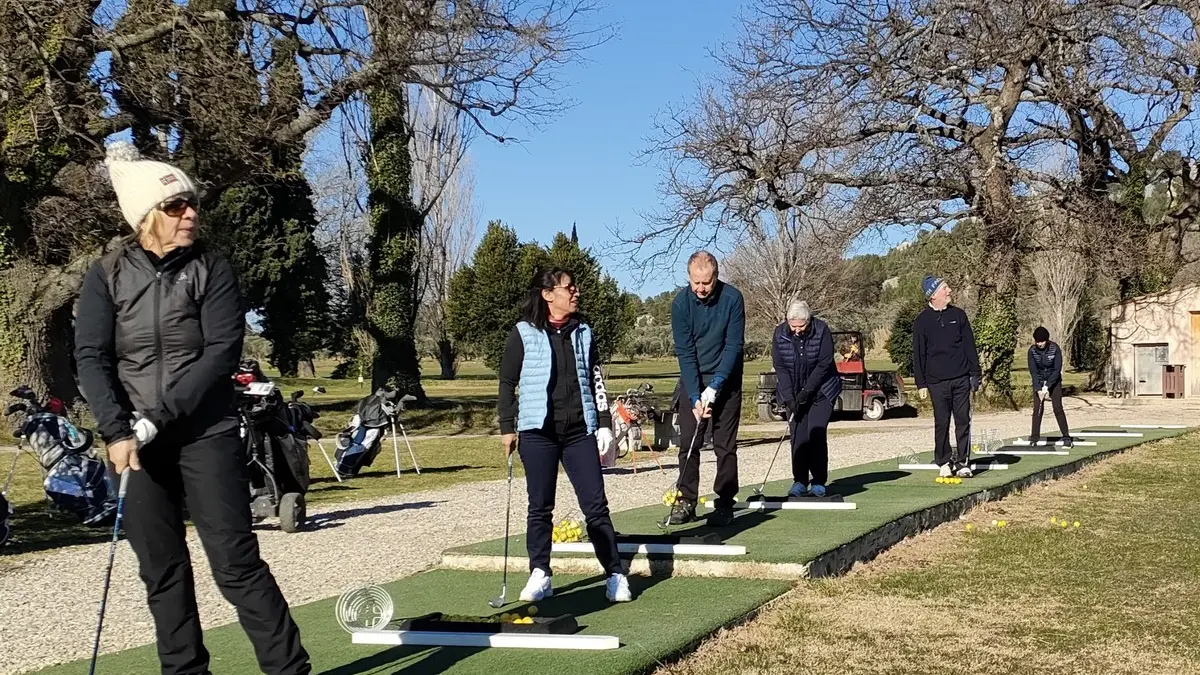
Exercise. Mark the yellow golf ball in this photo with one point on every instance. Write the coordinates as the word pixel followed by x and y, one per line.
pixel 1053 520
pixel 970 527
pixel 1064 523
pixel 532 611
pixel 1002 523
pixel 703 500
pixel 1076 523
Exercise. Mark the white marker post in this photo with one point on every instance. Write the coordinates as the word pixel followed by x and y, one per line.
pixel 935 467
pixel 495 640
pixel 758 505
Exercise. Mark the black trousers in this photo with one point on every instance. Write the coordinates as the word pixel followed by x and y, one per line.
pixel 1060 415
pixel 208 475
pixel 810 443
pixel 541 454
pixel 951 397
pixel 726 415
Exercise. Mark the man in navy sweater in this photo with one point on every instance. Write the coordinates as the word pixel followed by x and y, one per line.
pixel 708 320
pixel 946 367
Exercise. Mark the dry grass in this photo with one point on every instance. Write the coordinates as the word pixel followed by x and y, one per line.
pixel 1117 595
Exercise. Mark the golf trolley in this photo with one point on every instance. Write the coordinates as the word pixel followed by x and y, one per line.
pixel 630 410
pixel 360 442
pixel 276 458
pixel 74 477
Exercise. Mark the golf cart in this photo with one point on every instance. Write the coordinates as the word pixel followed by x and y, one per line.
pixel 871 392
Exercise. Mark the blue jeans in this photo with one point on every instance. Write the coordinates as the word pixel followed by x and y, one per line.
pixel 541 454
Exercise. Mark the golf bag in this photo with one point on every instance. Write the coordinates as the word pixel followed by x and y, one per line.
pixel 76 479
pixel 276 457
pixel 359 443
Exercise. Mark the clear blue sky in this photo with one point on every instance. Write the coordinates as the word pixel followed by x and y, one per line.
pixel 583 166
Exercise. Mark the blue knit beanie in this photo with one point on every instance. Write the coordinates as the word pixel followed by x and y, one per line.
pixel 930 285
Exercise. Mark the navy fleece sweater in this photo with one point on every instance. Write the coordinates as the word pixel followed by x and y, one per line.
pixel 709 336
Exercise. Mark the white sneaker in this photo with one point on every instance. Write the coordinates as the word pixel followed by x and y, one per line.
pixel 798 490
pixel 946 471
pixel 617 589
pixel 817 490
pixel 537 588
pixel 964 471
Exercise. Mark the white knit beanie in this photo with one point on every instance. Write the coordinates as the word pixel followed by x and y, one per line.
pixel 142 184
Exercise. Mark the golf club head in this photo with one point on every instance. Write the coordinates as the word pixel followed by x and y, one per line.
pixel 497 603
pixel 319 390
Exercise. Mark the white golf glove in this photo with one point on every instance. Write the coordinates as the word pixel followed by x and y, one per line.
pixel 1045 393
pixel 604 439
pixel 144 430
pixel 708 397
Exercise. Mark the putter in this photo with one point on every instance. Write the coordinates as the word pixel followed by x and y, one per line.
pixel 664 525
pixel 112 553
pixel 497 603
pixel 759 490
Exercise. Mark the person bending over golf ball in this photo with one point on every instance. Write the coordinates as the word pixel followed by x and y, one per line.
pixel 946 367
pixel 1045 367
pixel 552 398
pixel 708 322
pixel 157 339
pixel 808 384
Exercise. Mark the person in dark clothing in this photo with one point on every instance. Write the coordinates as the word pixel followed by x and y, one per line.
pixel 808 383
pixel 158 336
pixel 552 399
pixel 946 368
pixel 708 321
pixel 1045 368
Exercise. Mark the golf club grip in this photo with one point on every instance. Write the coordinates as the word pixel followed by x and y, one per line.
pixel 124 487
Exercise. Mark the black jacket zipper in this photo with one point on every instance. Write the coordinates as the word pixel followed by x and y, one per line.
pixel 158 333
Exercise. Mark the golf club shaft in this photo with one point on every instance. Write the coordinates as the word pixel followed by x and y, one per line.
pixel 778 447
pixel 396 448
pixel 329 462
pixel 507 519
pixel 112 554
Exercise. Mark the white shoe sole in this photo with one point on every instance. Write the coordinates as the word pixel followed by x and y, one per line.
pixel 621 598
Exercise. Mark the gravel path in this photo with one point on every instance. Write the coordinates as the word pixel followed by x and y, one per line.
pixel 49 601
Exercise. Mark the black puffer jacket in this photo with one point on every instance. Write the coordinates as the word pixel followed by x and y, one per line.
pixel 162 338
pixel 1045 365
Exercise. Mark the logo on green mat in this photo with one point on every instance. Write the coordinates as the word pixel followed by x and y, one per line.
pixel 364 609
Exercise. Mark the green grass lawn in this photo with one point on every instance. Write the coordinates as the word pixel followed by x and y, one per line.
pixel 668 616
pixel 1115 595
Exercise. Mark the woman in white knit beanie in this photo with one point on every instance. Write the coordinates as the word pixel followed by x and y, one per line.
pixel 158 336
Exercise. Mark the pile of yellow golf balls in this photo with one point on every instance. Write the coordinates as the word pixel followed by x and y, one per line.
pixel 567 531
pixel 948 480
pixel 1000 523
pixel 1063 522
pixel 671 496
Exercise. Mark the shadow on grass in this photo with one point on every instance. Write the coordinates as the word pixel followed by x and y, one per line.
pixel 328 483
pixel 34 529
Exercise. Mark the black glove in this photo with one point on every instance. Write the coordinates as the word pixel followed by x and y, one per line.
pixel 802 398
pixel 974 384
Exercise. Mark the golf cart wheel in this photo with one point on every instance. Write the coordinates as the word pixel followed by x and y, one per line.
pixel 874 410
pixel 291 512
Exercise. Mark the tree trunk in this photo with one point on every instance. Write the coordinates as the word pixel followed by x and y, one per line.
pixel 995 324
pixel 447 358
pixel 308 369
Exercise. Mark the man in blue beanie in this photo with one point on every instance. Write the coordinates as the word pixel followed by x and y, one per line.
pixel 946 368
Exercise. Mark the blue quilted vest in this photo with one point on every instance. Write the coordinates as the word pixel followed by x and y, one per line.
pixel 533 389
pixel 800 362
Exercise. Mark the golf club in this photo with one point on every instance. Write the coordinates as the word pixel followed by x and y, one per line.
pixel 664 524
pixel 787 432
pixel 112 553
pixel 497 603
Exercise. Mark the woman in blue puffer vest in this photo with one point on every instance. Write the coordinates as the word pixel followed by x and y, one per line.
pixel 552 398
pixel 808 384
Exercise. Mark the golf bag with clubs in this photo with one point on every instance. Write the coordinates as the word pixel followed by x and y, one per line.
pixel 276 458
pixel 301 417
pixel 76 480
pixel 359 443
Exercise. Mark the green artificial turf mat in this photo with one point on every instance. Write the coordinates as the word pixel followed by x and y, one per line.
pixel 882 492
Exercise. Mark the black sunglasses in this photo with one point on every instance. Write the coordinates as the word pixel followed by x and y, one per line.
pixel 177 206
